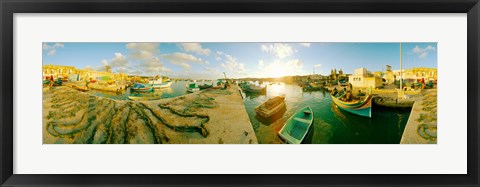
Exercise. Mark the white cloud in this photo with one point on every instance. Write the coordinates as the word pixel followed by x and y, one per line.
pixel 52 52
pixel 305 44
pixel 295 63
pixel 423 52
pixel 105 62
pixel 154 66
pixel 182 59
pixel 52 49
pixel 143 51
pixel 261 63
pixel 118 61
pixel 317 65
pixel 194 47
pixel 278 49
pixel 231 63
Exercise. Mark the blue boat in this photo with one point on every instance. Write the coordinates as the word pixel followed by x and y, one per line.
pixel 361 107
pixel 296 128
pixel 141 88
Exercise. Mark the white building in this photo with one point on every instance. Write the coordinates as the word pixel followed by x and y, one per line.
pixel 361 79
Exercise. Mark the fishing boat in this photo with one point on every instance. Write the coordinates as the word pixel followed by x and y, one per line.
pixel 393 103
pixel 270 107
pixel 192 87
pixel 144 97
pixel 162 85
pixel 360 107
pixel 205 86
pixel 141 88
pixel 159 83
pixel 296 128
pixel 255 89
pixel 312 87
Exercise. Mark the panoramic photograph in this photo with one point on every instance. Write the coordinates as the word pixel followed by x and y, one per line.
pixel 239 93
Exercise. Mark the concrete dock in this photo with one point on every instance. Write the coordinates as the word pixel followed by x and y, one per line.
pixel 421 127
pixel 207 117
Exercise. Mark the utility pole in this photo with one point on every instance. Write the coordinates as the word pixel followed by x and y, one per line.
pixel 401 70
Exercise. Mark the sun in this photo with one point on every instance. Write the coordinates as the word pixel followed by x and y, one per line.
pixel 277 70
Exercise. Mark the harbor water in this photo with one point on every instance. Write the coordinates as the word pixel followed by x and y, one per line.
pixel 331 124
pixel 177 88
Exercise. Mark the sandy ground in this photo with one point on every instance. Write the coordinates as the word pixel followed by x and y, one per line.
pixel 421 127
pixel 206 117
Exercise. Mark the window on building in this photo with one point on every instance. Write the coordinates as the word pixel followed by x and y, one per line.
pixel 52 71
pixel 59 71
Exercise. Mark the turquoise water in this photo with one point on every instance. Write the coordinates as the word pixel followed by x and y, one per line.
pixel 331 125
pixel 176 89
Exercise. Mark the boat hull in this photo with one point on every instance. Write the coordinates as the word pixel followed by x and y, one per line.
pixel 265 112
pixel 140 98
pixel 163 85
pixel 361 108
pixel 297 126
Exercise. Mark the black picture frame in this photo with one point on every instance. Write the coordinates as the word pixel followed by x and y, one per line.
pixel 9 7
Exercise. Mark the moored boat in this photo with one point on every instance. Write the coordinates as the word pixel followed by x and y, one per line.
pixel 270 107
pixel 141 88
pixel 146 97
pixel 205 86
pixel 162 85
pixel 192 87
pixel 361 107
pixel 393 103
pixel 296 128
pixel 255 89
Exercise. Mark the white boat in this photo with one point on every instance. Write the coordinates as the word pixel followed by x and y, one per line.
pixel 159 83
pixel 192 87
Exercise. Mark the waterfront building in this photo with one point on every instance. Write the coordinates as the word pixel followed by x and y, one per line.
pixel 73 74
pixel 428 74
pixel 362 79
pixel 58 71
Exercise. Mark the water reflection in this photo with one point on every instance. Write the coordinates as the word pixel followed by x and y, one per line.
pixel 331 124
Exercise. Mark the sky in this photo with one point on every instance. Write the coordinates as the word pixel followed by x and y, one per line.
pixel 238 60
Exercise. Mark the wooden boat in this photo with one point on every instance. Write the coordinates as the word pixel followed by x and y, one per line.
pixel 205 86
pixel 393 103
pixel 361 107
pixel 162 85
pixel 270 107
pixel 192 87
pixel 296 128
pixel 255 89
pixel 144 97
pixel 141 88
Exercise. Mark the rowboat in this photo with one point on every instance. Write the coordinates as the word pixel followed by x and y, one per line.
pixel 393 103
pixel 362 107
pixel 141 88
pixel 297 126
pixel 204 86
pixel 192 87
pixel 255 89
pixel 144 97
pixel 270 107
